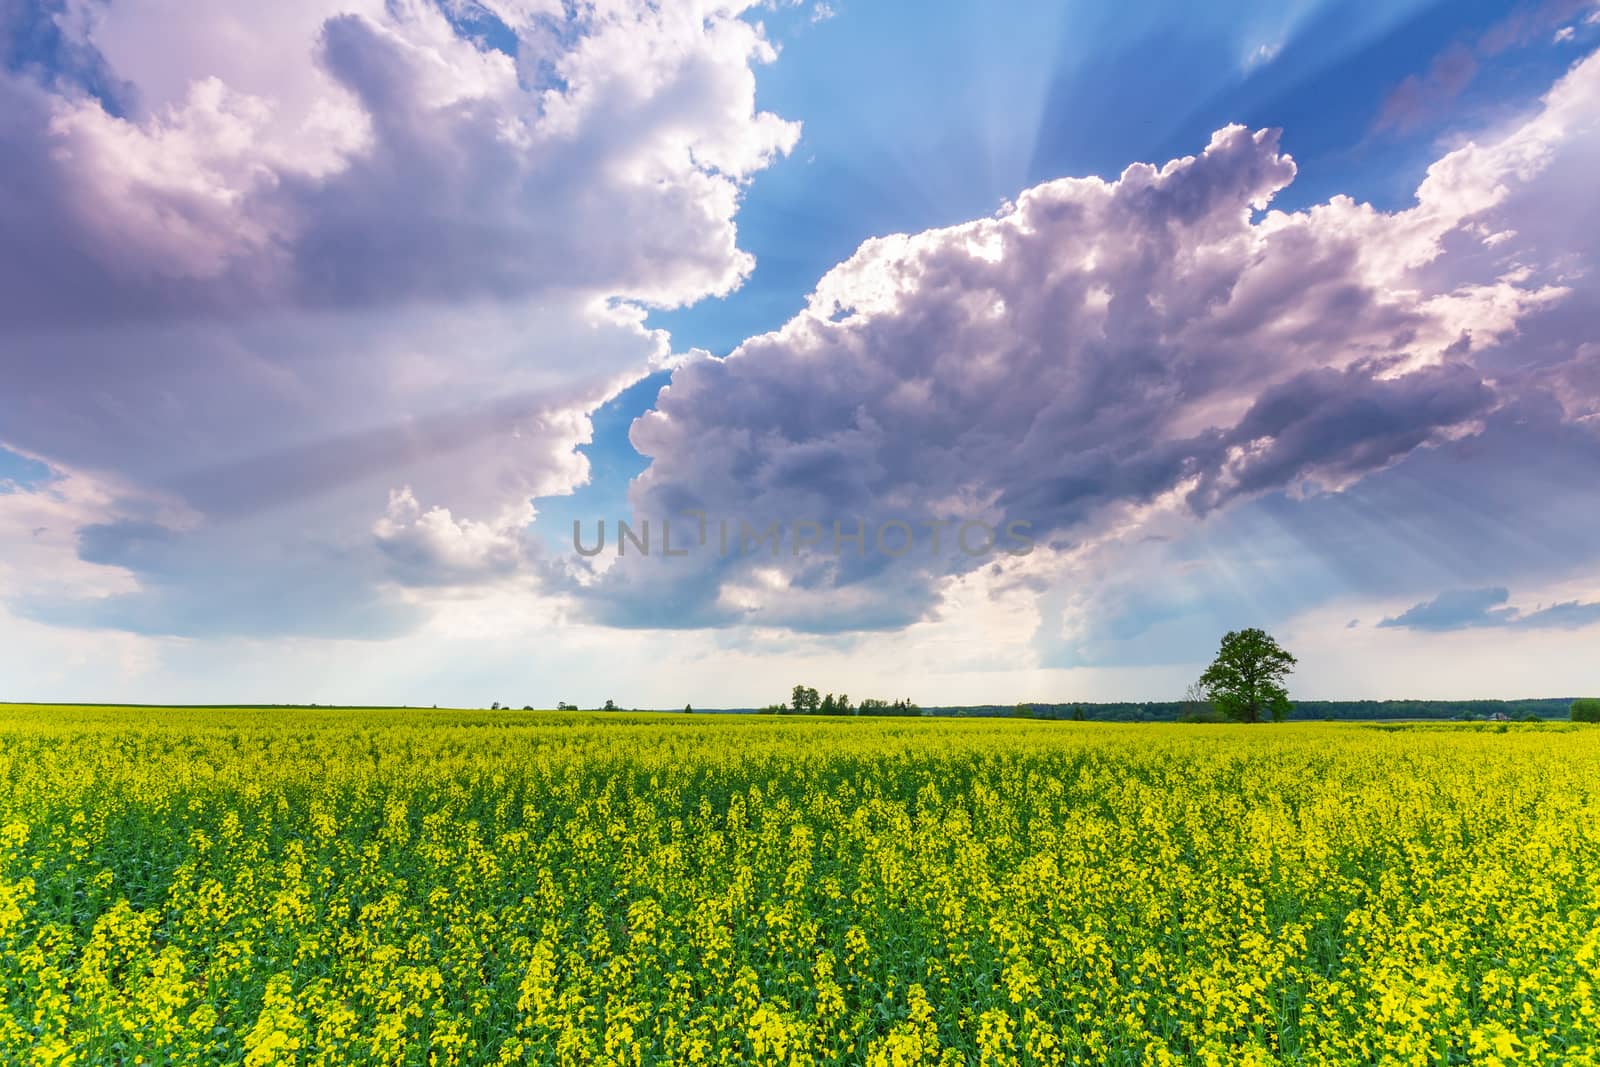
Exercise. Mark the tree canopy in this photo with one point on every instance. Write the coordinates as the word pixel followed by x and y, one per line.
pixel 1245 682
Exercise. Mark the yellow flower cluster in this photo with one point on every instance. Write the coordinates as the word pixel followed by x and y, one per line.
pixel 440 888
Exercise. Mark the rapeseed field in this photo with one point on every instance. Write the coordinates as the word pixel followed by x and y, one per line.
pixel 421 887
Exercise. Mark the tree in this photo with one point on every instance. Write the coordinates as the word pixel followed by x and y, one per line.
pixel 1197 707
pixel 688 709
pixel 1246 680
pixel 805 701
pixel 611 705
pixel 1586 709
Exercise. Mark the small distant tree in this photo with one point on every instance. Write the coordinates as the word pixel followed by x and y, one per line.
pixel 804 700
pixel 1077 713
pixel 828 707
pixel 495 706
pixel 1246 680
pixel 688 709
pixel 1197 707
pixel 1022 711
pixel 611 705
pixel 1586 709
pixel 527 707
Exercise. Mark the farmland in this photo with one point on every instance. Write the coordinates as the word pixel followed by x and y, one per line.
pixel 440 887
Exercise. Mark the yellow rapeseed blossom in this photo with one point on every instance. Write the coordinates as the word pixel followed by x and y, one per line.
pixel 444 889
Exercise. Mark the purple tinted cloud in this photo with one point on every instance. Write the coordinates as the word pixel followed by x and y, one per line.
pixel 372 256
pixel 1102 348
pixel 306 339
pixel 1464 609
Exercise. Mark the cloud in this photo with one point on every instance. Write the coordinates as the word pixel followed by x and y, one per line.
pixel 20 472
pixel 1105 353
pixel 1456 610
pixel 39 529
pixel 433 547
pixel 1469 512
pixel 347 297
pixel 1336 426
pixel 379 246
pixel 1421 98
pixel 1464 609
pixel 1529 21
pixel 1264 53
pixel 368 153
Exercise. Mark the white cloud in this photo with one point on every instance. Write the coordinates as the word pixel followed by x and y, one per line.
pixel 310 256
pixel 39 529
pixel 1263 54
pixel 433 547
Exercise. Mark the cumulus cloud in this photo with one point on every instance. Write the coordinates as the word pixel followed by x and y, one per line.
pixel 262 271
pixel 433 547
pixel 363 152
pixel 1104 350
pixel 306 324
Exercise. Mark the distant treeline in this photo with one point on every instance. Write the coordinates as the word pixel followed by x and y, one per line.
pixel 1148 711
pixel 1171 710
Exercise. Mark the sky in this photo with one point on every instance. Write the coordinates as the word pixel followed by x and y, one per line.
pixel 961 352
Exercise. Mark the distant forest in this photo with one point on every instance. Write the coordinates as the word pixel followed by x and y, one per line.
pixel 1170 710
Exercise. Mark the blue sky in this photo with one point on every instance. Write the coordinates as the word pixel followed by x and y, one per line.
pixel 322 345
pixel 20 472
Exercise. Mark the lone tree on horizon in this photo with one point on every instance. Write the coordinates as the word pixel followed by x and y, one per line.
pixel 1246 680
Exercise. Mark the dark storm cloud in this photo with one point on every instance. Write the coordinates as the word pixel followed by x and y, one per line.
pixel 1342 424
